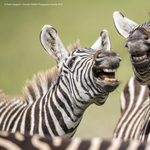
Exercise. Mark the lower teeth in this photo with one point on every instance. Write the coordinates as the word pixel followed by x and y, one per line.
pixel 110 80
pixel 140 58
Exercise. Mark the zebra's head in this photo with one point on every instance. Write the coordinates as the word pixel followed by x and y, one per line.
pixel 138 43
pixel 89 73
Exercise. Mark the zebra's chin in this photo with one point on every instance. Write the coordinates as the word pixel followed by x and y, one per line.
pixel 100 101
pixel 142 75
pixel 106 86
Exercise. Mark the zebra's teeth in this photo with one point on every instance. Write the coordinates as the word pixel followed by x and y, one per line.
pixel 109 70
pixel 140 58
pixel 111 80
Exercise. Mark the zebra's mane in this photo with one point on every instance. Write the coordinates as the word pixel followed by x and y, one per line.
pixel 36 88
pixel 40 84
pixel 3 96
pixel 75 46
pixel 145 25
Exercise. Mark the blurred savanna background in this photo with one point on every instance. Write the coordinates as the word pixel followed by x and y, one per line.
pixel 21 54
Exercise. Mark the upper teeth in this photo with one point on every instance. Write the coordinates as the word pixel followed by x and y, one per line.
pixel 140 58
pixel 109 70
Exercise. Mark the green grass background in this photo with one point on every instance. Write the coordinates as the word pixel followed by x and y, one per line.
pixel 21 54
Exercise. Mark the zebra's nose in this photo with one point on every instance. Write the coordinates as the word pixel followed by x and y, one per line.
pixel 134 47
pixel 114 62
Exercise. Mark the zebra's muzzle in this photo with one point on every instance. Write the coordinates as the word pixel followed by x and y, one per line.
pixel 104 69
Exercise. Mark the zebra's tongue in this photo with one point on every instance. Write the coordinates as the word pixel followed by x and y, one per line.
pixel 108 78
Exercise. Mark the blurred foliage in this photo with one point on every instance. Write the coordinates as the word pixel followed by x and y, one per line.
pixel 21 54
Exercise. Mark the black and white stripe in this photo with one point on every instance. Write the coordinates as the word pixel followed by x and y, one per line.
pixel 18 141
pixel 54 102
pixel 142 75
pixel 146 25
pixel 135 120
pixel 138 43
pixel 135 106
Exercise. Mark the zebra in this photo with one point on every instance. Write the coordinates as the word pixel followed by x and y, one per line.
pixel 54 102
pixel 135 111
pixel 138 43
pixel 18 141
pixel 135 105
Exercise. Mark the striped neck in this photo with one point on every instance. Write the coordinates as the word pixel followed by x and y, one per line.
pixel 74 101
pixel 135 105
pixel 64 112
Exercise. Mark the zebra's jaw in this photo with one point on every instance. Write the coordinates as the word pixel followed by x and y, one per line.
pixel 142 75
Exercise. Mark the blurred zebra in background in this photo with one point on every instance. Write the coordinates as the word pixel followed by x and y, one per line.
pixel 134 122
pixel 138 43
pixel 54 102
pixel 18 141
pixel 135 112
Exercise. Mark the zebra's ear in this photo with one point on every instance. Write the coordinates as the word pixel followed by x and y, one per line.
pixel 52 43
pixel 123 25
pixel 103 41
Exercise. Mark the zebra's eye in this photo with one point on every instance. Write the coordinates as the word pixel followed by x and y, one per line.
pixel 70 63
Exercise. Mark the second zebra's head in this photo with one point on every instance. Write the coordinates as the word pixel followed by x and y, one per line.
pixel 89 73
pixel 138 43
